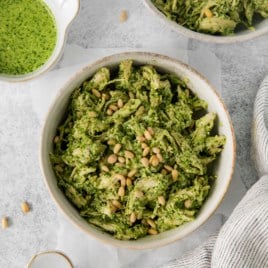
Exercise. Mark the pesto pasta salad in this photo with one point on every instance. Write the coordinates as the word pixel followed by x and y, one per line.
pixel 134 151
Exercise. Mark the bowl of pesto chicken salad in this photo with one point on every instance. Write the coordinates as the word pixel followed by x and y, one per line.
pixel 216 21
pixel 137 150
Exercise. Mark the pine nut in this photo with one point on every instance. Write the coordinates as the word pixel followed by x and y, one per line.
pixel 168 168
pixel 147 135
pixel 144 145
pixel 188 203
pixel 112 159
pixel 132 217
pixel 120 103
pixel 161 200
pixel 121 191
pixel 152 232
pixel 156 150
pixel 5 222
pixel 174 174
pixel 117 148
pixel 111 142
pixel 132 172
pixel 146 151
pixel 92 114
pixel 113 107
pixel 104 168
pixel 119 177
pixel 154 161
pixel 129 182
pixel 25 207
pixel 140 138
pixel 123 182
pixel 145 161
pixel 150 130
pixel 123 16
pixel 138 194
pixel 151 223
pixel 96 93
pixel 116 203
pixel 56 139
pixel 119 164
pixel 208 13
pixel 109 112
pixel 121 159
pixel 160 157
pixel 129 154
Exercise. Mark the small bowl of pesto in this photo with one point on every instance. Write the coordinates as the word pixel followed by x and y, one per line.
pixel 32 36
pixel 137 150
pixel 214 21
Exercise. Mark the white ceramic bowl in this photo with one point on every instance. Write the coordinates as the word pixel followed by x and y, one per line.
pixel 199 85
pixel 261 28
pixel 64 12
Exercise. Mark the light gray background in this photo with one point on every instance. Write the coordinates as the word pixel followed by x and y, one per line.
pixel 243 66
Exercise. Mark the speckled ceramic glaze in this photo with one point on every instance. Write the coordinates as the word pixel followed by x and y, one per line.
pixel 223 168
pixel 260 29
pixel 64 12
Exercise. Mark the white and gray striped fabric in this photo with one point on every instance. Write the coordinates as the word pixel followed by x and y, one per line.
pixel 260 129
pixel 243 240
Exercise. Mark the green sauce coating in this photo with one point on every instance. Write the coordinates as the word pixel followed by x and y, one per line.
pixel 134 149
pixel 219 17
pixel 27 35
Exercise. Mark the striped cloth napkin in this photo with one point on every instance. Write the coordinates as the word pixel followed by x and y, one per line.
pixel 243 240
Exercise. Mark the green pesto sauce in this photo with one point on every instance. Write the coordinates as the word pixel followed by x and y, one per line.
pixel 27 35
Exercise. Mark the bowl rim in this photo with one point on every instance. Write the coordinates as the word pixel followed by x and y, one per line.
pixel 47 252
pixel 106 60
pixel 39 71
pixel 203 36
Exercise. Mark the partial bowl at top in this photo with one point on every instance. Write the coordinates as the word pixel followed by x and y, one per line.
pixel 260 28
pixel 63 12
pixel 200 86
